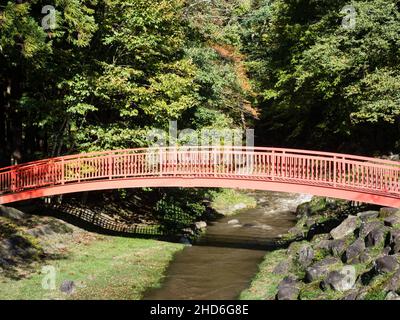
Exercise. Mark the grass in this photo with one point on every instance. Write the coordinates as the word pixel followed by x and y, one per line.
pixel 265 284
pixel 107 268
pixel 225 200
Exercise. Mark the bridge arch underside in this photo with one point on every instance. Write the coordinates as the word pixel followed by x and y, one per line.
pixel 209 182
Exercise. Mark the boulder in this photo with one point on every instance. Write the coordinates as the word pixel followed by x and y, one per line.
pixel 321 268
pixel 394 238
pixel 394 235
pixel 296 231
pixel 292 249
pixel 386 251
pixel 354 251
pixel 311 221
pixel 288 289
pixel 303 209
pixel 324 244
pixel 392 221
pixel 367 227
pixel 338 247
pixel 351 296
pixel 386 264
pixel 283 267
pixel 365 215
pixel 392 296
pixel 233 221
pixel 67 286
pixel 375 237
pixel 335 247
pixel 394 283
pixel 12 213
pixel 200 225
pixel 364 257
pixel 305 256
pixel 387 212
pixel 346 228
pixel 341 280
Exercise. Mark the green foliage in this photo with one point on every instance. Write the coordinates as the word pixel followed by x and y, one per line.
pixel 179 209
pixel 319 83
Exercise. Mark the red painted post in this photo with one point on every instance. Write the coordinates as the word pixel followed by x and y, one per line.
pixel 273 164
pixel 110 169
pixel 334 171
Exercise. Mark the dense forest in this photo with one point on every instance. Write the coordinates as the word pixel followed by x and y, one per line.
pixel 83 75
pixel 98 74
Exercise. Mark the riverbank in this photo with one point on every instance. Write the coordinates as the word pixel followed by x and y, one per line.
pixel 336 251
pixel 86 265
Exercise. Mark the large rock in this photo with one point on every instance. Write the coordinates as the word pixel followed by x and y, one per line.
pixel 283 267
pixel 394 283
pixel 367 227
pixel 200 225
pixel 387 212
pixel 341 280
pixel 305 256
pixel 386 264
pixel 321 268
pixel 394 238
pixel 392 296
pixel 67 286
pixel 303 210
pixel 335 247
pixel 316 205
pixel 392 220
pixel 351 295
pixel 296 231
pixel 288 289
pixel 292 249
pixel 12 213
pixel 338 247
pixel 375 237
pixel 365 215
pixel 233 221
pixel 354 251
pixel 311 221
pixel 346 228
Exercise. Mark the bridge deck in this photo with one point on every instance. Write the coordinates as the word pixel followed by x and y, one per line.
pixel 342 176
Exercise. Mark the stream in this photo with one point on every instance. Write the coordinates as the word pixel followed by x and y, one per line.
pixel 225 259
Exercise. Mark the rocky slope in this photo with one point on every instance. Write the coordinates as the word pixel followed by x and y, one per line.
pixel 336 251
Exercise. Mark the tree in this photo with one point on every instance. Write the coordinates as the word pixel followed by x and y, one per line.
pixel 321 84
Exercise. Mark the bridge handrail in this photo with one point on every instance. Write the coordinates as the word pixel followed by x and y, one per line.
pixel 331 155
pixel 326 169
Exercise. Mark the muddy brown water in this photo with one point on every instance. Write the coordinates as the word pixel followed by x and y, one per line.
pixel 226 257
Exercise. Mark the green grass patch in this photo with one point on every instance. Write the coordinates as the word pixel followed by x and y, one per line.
pixel 108 268
pixel 230 201
pixel 376 287
pixel 310 291
pixel 265 284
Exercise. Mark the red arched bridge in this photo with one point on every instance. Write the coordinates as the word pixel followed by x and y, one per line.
pixel 333 175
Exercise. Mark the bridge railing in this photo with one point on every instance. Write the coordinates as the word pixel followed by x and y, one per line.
pixel 272 164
